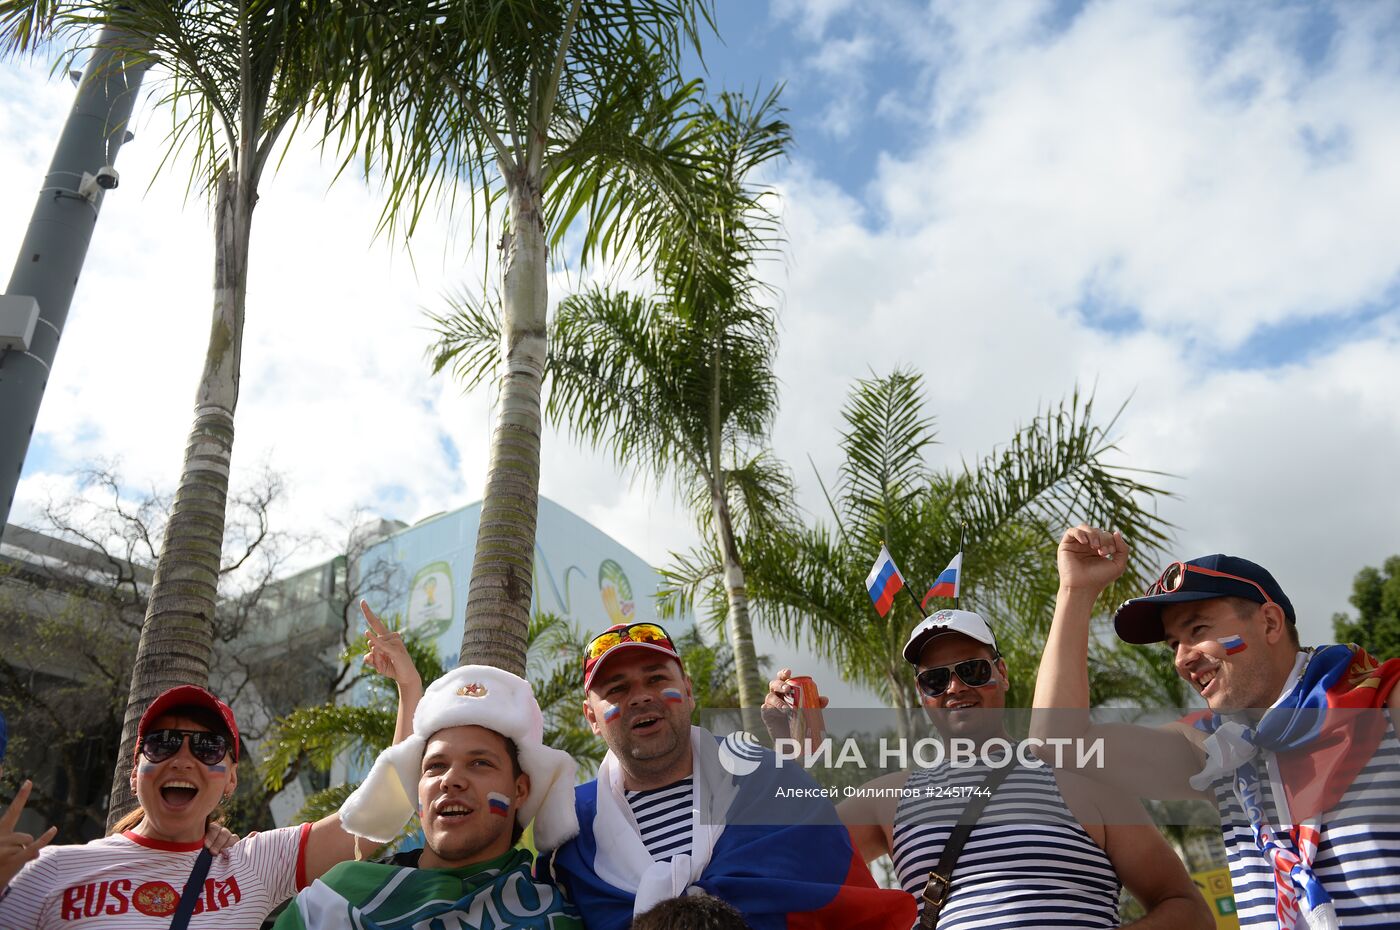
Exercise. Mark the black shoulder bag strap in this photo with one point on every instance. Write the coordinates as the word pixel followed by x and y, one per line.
pixel 940 880
pixel 194 887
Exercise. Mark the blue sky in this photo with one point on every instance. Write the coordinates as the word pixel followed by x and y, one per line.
pixel 1189 206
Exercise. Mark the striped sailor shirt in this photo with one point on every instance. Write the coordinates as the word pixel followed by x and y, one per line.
pixel 1028 862
pixel 1358 860
pixel 665 817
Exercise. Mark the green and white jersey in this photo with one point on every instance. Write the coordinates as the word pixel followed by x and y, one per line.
pixel 500 894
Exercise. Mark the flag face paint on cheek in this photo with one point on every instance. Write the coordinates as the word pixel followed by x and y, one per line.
pixel 1232 644
pixel 499 803
pixel 673 695
pixel 611 712
pixel 218 769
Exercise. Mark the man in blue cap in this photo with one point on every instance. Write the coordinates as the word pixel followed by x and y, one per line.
pixel 1297 749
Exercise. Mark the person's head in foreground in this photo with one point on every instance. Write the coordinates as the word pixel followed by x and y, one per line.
pixel 475 769
pixel 186 765
pixel 1231 629
pixel 691 912
pixel 960 675
pixel 638 698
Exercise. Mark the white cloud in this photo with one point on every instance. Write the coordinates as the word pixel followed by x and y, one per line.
pixel 1117 156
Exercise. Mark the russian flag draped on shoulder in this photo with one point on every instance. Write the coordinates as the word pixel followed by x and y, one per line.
pixel 946 584
pixel 1325 730
pixel 777 851
pixel 884 582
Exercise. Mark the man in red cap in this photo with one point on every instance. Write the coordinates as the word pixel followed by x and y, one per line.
pixel 673 812
pixel 1297 749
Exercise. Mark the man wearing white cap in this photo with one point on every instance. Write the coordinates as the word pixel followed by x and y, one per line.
pixel 477 773
pixel 1048 849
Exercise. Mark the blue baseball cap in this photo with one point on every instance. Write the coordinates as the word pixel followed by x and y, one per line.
pixel 1139 620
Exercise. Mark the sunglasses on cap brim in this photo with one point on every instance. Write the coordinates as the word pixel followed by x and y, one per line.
pixel 648 633
pixel 1173 579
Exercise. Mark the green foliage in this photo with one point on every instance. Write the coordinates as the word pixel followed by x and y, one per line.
pixel 575 103
pixel 315 736
pixel 1013 503
pixel 1375 593
pixel 711 671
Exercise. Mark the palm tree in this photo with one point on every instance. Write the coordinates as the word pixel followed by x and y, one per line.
pixel 680 384
pixel 1013 505
pixel 564 110
pixel 314 737
pixel 237 77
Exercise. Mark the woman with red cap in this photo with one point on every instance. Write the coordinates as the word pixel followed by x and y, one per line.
pixel 186 765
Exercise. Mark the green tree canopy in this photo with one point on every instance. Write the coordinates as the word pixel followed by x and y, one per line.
pixel 1375 593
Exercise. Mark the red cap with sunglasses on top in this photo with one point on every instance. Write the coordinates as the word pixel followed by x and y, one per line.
pixel 623 636
pixel 187 696
pixel 1140 620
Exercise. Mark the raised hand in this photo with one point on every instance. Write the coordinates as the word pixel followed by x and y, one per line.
pixel 1091 559
pixel 776 709
pixel 387 654
pixel 18 848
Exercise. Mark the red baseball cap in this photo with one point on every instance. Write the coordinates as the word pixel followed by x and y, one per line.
pixel 624 636
pixel 188 696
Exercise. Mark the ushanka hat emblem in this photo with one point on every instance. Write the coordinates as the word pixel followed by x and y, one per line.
pixel 473 695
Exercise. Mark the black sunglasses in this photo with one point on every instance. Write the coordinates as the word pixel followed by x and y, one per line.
pixel 975 673
pixel 209 748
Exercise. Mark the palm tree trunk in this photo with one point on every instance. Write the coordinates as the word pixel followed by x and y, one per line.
pixel 176 636
pixel 498 598
pixel 738 626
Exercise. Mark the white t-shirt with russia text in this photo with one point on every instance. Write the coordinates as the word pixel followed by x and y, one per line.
pixel 134 881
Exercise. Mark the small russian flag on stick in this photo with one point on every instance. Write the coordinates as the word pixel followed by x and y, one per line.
pixel 884 582
pixel 946 584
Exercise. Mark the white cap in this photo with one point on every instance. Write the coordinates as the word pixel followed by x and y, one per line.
pixel 947 621
pixel 469 695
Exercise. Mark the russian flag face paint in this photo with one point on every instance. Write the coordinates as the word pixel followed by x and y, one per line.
pixel 673 695
pixel 611 712
pixel 1232 644
pixel 499 803
pixel 217 769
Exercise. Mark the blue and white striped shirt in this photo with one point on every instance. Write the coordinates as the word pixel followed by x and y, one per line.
pixel 664 816
pixel 1028 862
pixel 1358 860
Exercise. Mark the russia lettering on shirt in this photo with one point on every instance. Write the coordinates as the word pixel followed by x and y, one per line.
pixel 134 881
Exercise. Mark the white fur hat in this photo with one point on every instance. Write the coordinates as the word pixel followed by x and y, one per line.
pixel 483 696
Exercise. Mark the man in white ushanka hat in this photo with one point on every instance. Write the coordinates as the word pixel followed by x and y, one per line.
pixel 477 773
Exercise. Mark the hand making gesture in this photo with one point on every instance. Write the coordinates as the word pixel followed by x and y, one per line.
pixel 1091 559
pixel 387 654
pixel 389 657
pixel 18 848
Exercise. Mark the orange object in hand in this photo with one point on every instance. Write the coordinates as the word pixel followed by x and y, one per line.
pixel 808 725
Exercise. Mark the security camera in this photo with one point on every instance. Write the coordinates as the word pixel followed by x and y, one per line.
pixel 107 177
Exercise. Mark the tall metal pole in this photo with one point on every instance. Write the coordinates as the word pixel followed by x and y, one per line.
pixel 56 242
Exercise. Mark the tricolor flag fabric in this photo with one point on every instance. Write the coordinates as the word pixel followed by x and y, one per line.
pixel 884 582
pixel 946 584
pixel 1324 732
pixel 780 855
